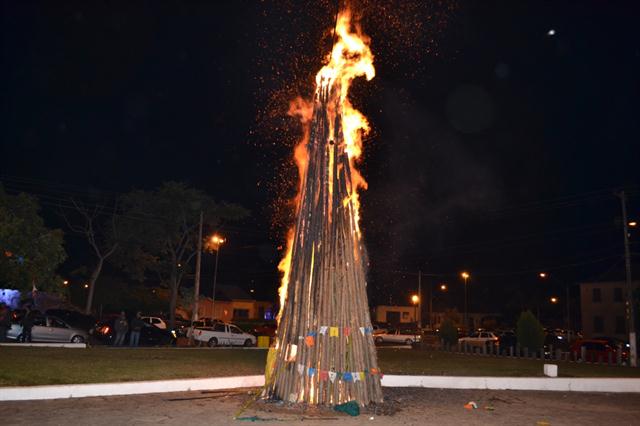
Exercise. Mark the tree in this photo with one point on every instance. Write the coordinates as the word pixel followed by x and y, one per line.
pixel 101 235
pixel 529 331
pixel 159 232
pixel 30 252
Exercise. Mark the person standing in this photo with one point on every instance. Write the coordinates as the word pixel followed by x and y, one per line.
pixel 27 325
pixel 136 327
pixel 5 321
pixel 121 326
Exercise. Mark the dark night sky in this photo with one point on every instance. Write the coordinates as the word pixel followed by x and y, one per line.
pixel 496 146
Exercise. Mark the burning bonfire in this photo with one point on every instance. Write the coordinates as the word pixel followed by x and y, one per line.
pixel 324 352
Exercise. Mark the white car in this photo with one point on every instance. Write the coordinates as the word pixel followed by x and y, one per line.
pixel 480 339
pixel 155 321
pixel 404 336
pixel 222 334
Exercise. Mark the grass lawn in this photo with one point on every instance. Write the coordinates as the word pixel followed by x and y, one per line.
pixel 45 366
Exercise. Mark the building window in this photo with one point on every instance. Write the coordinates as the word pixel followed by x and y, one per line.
pixel 598 324
pixel 241 313
pixel 596 295
pixel 621 325
pixel 617 294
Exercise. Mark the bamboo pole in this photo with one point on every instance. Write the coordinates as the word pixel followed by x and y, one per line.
pixel 327 282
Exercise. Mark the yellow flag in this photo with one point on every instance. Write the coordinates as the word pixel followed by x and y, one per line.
pixel 333 332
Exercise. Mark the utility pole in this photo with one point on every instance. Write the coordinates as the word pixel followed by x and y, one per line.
pixel 215 280
pixel 568 310
pixel 431 304
pixel 633 356
pixel 419 299
pixel 196 287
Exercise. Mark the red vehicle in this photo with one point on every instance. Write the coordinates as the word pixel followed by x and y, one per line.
pixel 597 350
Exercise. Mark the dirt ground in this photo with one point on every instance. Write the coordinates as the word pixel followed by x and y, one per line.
pixel 404 407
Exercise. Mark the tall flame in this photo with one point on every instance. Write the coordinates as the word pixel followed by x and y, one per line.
pixel 350 57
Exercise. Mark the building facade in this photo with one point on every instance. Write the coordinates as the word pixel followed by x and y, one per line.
pixel 603 309
pixel 231 304
pixel 395 314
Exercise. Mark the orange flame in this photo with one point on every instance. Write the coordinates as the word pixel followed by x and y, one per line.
pixel 350 57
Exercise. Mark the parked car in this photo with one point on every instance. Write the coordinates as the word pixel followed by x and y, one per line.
pixel 223 334
pixel 265 329
pixel 150 335
pixel 597 350
pixel 379 329
pixel 555 340
pixel 156 322
pixel 480 339
pixel 74 318
pixel 398 335
pixel 205 322
pixel 47 328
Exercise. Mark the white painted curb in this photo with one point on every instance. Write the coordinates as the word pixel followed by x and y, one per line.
pixel 46 345
pixel 614 385
pixel 24 393
pixel 622 385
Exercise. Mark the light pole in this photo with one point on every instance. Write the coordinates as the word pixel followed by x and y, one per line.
pixel 415 299
pixel 626 224
pixel 544 276
pixel 216 242
pixel 465 276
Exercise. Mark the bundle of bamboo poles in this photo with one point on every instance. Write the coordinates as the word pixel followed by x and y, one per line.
pixel 325 353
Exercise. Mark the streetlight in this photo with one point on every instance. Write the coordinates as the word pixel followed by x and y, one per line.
pixel 215 242
pixel 465 276
pixel 443 287
pixel 553 299
pixel 633 224
pixel 542 275
pixel 415 299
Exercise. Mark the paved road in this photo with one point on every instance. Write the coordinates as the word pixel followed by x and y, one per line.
pixel 411 406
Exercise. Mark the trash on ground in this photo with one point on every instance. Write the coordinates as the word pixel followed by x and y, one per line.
pixel 351 408
pixel 256 419
pixel 470 405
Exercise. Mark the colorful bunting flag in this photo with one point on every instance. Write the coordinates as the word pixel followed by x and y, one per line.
pixel 309 341
pixel 300 369
pixel 333 332
pixel 332 376
pixel 347 376
pixel 324 375
pixel 311 371
pixel 323 329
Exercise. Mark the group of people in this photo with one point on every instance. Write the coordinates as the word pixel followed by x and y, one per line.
pixel 5 323
pixel 122 326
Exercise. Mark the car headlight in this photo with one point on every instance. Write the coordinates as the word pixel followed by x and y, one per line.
pixel 173 333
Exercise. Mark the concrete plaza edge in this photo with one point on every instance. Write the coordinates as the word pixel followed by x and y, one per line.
pixel 614 385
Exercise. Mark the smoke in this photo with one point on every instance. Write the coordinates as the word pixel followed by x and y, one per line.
pixel 423 175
